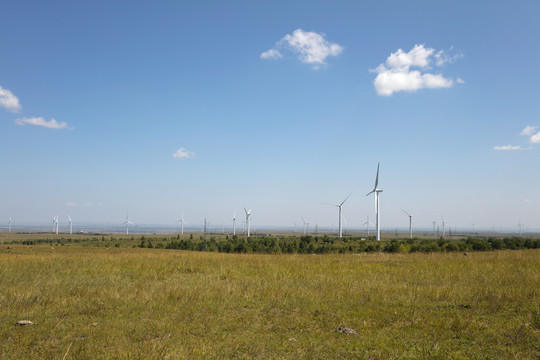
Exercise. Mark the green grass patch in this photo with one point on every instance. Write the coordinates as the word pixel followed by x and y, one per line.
pixel 130 303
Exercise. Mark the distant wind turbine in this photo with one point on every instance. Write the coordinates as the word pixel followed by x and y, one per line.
pixel 410 223
pixel 182 221
pixel 520 225
pixel 304 220
pixel 127 223
pixel 10 224
pixel 339 206
pixel 367 223
pixel 234 223
pixel 70 225
pixel 443 223
pixel 376 190
pixel 55 224
pixel 248 215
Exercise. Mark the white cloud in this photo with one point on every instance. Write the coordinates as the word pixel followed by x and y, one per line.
pixel 182 153
pixel 8 100
pixel 418 56
pixel 271 54
pixel 507 147
pixel 442 57
pixel 396 74
pixel 39 121
pixel 71 204
pixel 460 81
pixel 535 139
pixel 529 130
pixel 310 47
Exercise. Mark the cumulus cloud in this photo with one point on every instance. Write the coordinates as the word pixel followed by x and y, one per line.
pixel 507 147
pixel 271 54
pixel 182 153
pixel 530 132
pixel 535 139
pixel 8 100
pixel 39 121
pixel 396 73
pixel 310 47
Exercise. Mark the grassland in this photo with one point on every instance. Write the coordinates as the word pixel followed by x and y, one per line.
pixel 131 303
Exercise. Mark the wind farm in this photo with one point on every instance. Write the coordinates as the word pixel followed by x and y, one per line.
pixel 269 180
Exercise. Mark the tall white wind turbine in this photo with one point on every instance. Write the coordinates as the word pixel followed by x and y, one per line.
pixel 376 190
pixel 248 215
pixel 339 206
pixel 410 223
pixel 10 224
pixel 304 220
pixel 70 225
pixel 127 223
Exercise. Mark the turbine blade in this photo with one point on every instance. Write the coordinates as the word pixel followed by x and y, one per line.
pixel 343 202
pixel 377 178
pixel 330 204
pixel 371 192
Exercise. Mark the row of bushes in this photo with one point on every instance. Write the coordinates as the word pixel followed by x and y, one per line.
pixel 309 245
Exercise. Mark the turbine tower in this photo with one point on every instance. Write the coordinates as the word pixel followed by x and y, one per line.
pixel 234 223
pixel 182 221
pixel 520 225
pixel 70 225
pixel 127 223
pixel 410 223
pixel 376 190
pixel 443 223
pixel 367 223
pixel 55 224
pixel 10 224
pixel 339 206
pixel 304 220
pixel 248 215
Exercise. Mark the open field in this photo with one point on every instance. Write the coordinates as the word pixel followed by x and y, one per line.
pixel 91 303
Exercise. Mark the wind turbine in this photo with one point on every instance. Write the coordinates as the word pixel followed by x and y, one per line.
pixel 70 225
pixel 127 222
pixel 304 220
pixel 234 223
pixel 248 215
pixel 376 190
pixel 367 223
pixel 443 223
pixel 339 206
pixel 55 225
pixel 182 221
pixel 10 224
pixel 520 225
pixel 410 223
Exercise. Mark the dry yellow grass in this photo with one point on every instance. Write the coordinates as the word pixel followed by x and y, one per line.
pixel 98 303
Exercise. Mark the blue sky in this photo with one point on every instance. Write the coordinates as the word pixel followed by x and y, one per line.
pixel 276 106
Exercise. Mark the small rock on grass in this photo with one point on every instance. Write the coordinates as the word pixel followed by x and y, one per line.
pixel 25 322
pixel 347 331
